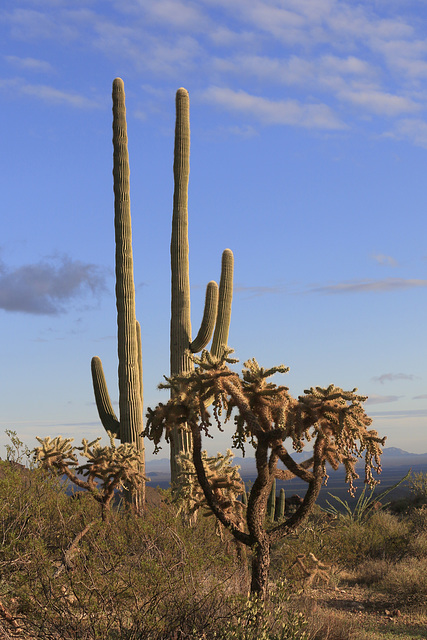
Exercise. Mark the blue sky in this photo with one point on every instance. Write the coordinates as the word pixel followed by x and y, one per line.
pixel 308 160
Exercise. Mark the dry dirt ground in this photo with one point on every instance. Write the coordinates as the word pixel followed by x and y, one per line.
pixel 366 611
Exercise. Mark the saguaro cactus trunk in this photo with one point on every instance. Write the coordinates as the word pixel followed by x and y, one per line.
pixel 217 311
pixel 130 425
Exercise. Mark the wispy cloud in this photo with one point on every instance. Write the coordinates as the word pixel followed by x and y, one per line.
pixel 375 399
pixel 423 396
pixel 399 415
pixel 256 292
pixel 390 377
pixel 384 260
pixel 363 60
pixel 45 288
pixel 30 24
pixel 271 112
pixel 30 64
pixel 48 94
pixel 380 102
pixel 412 129
pixel 364 286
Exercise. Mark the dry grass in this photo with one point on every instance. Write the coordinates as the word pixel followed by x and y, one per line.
pixel 155 579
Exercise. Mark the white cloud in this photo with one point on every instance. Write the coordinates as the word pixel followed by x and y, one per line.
pixel 388 284
pixel 285 112
pixel 30 64
pixel 382 259
pixel 48 94
pixel 181 15
pixel 379 102
pixel 412 129
pixel 29 24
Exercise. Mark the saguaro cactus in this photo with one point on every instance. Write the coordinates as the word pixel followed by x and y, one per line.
pixel 217 310
pixel 280 509
pixel 130 425
pixel 271 502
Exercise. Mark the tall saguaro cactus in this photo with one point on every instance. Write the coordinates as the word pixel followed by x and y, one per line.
pixel 217 310
pixel 130 425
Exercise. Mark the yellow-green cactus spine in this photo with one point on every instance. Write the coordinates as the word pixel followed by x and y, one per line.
pixel 217 305
pixel 130 425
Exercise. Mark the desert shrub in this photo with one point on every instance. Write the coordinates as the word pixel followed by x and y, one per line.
pixel 418 488
pixel 313 537
pixel 418 545
pixel 33 505
pixel 384 535
pixel 129 578
pixel 276 618
pixel 324 624
pixel 371 572
pixel 418 518
pixel 407 581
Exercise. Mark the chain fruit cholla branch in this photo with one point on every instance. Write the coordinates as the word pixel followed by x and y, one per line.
pixel 267 415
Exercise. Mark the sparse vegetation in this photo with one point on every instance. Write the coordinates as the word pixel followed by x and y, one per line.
pixel 155 578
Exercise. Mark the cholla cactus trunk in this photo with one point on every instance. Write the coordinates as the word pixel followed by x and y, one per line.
pixel 180 338
pixel 130 384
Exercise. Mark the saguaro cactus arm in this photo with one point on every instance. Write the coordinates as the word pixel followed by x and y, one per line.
pixel 106 412
pixel 102 398
pixel 222 327
pixel 209 318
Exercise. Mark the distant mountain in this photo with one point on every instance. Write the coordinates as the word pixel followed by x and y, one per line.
pixel 158 470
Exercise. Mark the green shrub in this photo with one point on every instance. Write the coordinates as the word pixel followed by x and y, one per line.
pixel 384 535
pixel 128 578
pixel 418 488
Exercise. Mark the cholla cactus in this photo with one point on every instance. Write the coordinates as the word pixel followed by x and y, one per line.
pixel 108 469
pixel 267 416
pixel 224 480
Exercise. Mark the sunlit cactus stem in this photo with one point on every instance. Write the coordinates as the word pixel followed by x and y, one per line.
pixel 130 425
pixel 271 503
pixel 222 327
pixel 217 310
pixel 280 509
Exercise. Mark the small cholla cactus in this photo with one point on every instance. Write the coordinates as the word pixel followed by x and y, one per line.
pixel 107 470
pixel 225 482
